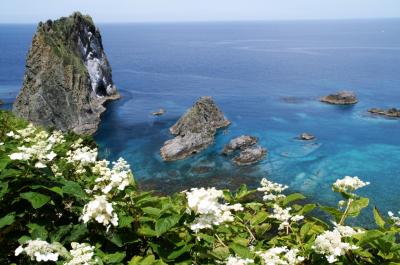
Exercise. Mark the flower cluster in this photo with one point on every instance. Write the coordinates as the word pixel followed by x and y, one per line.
pixel 284 216
pixel 235 260
pixel 101 210
pixel 119 177
pixel 331 244
pixel 205 203
pixel 81 254
pixel 281 256
pixel 37 145
pixel 272 191
pixel 395 219
pixel 348 184
pixel 40 250
pixel 81 156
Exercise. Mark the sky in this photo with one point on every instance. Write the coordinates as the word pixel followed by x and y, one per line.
pixel 32 11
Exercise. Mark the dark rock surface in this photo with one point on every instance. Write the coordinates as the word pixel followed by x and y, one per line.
pixel 306 137
pixel 392 112
pixel 194 131
pixel 240 142
pixel 250 155
pixel 341 98
pixel 67 77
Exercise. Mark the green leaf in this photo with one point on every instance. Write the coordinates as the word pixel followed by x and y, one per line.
pixel 3 189
pixel 177 253
pixel 7 220
pixel 125 221
pixel 357 205
pixel 293 197
pixel 147 231
pixel 78 232
pixel 61 231
pixel 74 189
pixel 166 223
pixel 113 258
pixel 241 251
pixel 333 211
pixel 259 218
pixel 37 231
pixel 152 211
pixel 220 253
pixel 378 218
pixel 36 199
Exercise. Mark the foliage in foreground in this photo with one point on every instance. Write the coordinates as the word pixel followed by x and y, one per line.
pixel 60 205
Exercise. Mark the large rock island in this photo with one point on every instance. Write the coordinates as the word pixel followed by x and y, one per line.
pixel 194 131
pixel 67 78
pixel 341 98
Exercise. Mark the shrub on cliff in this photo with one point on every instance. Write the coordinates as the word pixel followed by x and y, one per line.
pixel 60 204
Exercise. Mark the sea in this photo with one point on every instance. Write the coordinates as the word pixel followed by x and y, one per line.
pixel 267 78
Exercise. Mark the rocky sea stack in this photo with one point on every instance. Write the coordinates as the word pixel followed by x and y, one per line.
pixel 246 150
pixel 392 112
pixel 341 98
pixel 194 131
pixel 67 78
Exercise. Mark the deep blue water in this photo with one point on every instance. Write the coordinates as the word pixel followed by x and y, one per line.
pixel 248 68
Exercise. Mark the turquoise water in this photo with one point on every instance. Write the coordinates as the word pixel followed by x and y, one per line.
pixel 249 68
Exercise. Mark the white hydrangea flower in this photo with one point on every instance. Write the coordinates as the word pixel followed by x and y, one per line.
pixel 331 245
pixel 20 156
pixel 119 177
pixel 100 210
pixel 394 218
pixel 348 184
pixel 81 157
pixel 272 191
pixel 40 250
pixel 283 215
pixel 205 203
pixel 235 260
pixel 281 256
pixel 1 143
pixel 82 254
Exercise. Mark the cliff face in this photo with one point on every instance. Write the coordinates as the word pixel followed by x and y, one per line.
pixel 67 78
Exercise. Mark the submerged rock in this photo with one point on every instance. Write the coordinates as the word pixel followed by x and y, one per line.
pixel 306 137
pixel 240 142
pixel 341 98
pixel 67 78
pixel 159 112
pixel 392 112
pixel 1 102
pixel 194 131
pixel 250 155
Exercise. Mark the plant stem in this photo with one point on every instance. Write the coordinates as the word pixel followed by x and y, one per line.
pixel 220 241
pixel 344 216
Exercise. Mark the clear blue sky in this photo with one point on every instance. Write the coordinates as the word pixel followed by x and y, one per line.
pixel 32 11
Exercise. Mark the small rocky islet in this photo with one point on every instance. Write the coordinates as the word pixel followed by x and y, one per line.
pixel 340 98
pixel 392 112
pixel 194 131
pixel 249 152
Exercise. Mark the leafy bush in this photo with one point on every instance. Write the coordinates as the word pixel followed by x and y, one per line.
pixel 60 204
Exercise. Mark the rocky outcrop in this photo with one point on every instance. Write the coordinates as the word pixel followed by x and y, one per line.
pixel 341 98
pixel 194 131
pixel 250 156
pixel 159 112
pixel 306 137
pixel 248 152
pixel 239 143
pixel 67 78
pixel 392 112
